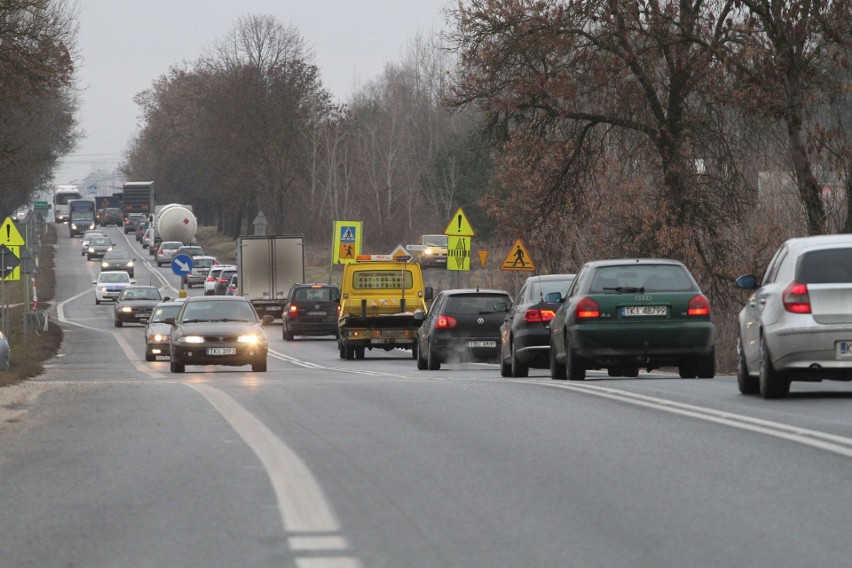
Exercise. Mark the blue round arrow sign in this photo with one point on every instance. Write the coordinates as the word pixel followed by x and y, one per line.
pixel 182 264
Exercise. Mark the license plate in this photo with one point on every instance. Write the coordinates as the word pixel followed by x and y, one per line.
pixel 316 313
pixel 221 350
pixel 393 333
pixel 644 311
pixel 271 309
pixel 843 349
pixel 482 344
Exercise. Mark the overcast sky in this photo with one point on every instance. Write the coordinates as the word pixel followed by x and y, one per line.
pixel 127 44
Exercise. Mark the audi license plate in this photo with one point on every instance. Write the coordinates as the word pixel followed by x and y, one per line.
pixel 644 311
pixel 843 349
pixel 221 350
pixel 473 344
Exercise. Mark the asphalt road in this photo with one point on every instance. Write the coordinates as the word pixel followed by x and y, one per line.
pixel 322 462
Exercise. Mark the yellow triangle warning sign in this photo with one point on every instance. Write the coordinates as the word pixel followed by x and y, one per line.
pixel 10 235
pixel 518 259
pixel 459 226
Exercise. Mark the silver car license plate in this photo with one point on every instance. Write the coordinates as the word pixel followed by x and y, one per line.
pixel 843 349
pixel 221 350
pixel 482 344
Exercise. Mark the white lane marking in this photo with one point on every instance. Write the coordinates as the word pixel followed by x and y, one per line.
pixel 829 442
pixel 302 503
pixel 122 342
pixel 839 445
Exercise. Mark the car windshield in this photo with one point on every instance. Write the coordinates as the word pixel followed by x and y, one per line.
pixel 476 304
pixel 435 240
pixel 163 312
pixel 101 241
pixel 117 255
pixel 114 277
pixel 211 311
pixel 641 278
pixel 141 294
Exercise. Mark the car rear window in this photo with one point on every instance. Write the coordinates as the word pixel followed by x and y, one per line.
pixel 202 262
pixel 541 288
pixel 324 294
pixel 827 266
pixel 461 304
pixel 644 277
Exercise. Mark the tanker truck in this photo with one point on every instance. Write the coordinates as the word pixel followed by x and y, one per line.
pixel 172 222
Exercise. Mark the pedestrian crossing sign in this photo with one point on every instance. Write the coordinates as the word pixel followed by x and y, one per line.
pixel 347 241
pixel 518 259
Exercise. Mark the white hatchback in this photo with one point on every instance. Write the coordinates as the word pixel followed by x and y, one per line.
pixel 213 276
pixel 109 285
pixel 797 325
pixel 166 252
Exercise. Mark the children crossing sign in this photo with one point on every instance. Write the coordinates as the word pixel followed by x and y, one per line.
pixel 347 241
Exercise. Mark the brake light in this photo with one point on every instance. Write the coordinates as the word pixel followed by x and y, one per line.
pixel 698 306
pixel 211 279
pixel 587 309
pixel 293 311
pixel 160 251
pixel 223 280
pixel 796 299
pixel 539 316
pixel 446 322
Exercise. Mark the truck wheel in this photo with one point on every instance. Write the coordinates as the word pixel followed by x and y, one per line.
pixel 341 349
pixel 360 352
pixel 349 353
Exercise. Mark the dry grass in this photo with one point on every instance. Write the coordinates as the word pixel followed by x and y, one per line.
pixel 30 350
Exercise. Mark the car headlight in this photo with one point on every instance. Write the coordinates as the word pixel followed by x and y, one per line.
pixel 428 251
pixel 91 249
pixel 127 309
pixel 104 264
pixel 110 248
pixel 102 288
pixel 157 338
pixel 129 264
pixel 248 339
pixel 191 339
pixel 74 227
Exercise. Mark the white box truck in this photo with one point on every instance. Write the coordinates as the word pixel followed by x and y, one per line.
pixel 267 266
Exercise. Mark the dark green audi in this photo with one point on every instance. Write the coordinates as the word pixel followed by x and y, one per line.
pixel 630 314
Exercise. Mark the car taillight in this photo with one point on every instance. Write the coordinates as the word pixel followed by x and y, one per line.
pixel 796 299
pixel 446 322
pixel 538 316
pixel 587 308
pixel 293 311
pixel 211 279
pixel 160 251
pixel 698 306
pixel 223 280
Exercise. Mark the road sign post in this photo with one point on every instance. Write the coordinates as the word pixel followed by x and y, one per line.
pixel 182 265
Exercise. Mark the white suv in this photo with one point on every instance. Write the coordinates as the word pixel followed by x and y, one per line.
pixel 213 276
pixel 797 325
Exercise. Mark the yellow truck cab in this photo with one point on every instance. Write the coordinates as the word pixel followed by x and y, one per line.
pixel 382 304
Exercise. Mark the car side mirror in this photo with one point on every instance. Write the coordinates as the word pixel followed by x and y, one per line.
pixel 132 281
pixel 419 315
pixel 747 282
pixel 167 298
pixel 94 281
pixel 553 298
pixel 266 320
pixel 170 321
pixel 429 294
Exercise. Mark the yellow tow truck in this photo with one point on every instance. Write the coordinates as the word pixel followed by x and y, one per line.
pixel 382 304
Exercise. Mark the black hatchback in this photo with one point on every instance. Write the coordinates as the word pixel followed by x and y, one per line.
pixel 462 325
pixel 311 310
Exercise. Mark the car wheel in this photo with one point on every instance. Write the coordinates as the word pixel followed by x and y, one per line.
pixel 422 364
pixel 150 356
pixel 433 363
pixel 88 257
pixel 519 369
pixel 705 367
pixel 686 370
pixel 505 367
pixel 118 323
pixel 557 369
pixel 773 384
pixel 286 333
pixel 746 383
pixel 97 302
pixel 176 367
pixel 259 367
pixel 574 369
